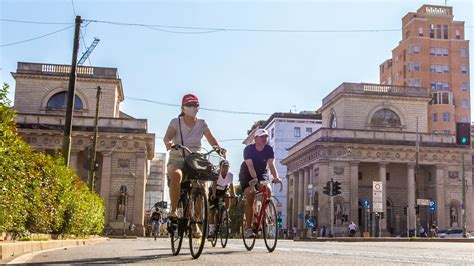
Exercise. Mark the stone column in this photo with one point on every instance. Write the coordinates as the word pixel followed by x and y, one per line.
pixel 296 182
pixel 411 187
pixel 354 192
pixel 139 195
pixel 301 198
pixel 305 189
pixel 324 211
pixel 73 160
pixel 105 183
pixel 440 197
pixel 383 179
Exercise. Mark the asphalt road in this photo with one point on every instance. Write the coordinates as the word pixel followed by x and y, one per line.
pixel 146 250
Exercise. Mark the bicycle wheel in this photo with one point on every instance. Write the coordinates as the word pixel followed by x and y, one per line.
pixel 198 222
pixel 154 229
pixel 224 227
pixel 216 231
pixel 270 226
pixel 249 242
pixel 177 230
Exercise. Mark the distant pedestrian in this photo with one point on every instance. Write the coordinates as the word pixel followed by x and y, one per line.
pixel 422 231
pixel 323 231
pixel 352 229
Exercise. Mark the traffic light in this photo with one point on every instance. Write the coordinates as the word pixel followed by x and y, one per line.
pixel 336 188
pixel 463 134
pixel 327 189
pixel 279 221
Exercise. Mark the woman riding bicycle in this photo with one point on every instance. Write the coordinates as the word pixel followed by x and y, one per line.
pixel 192 129
pixel 258 157
pixel 218 189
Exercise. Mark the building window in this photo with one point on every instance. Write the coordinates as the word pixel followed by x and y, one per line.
pixel 464 52
pixel 309 131
pixel 458 35
pixel 385 117
pixel 464 69
pixel 59 101
pixel 446 132
pixel 414 82
pixel 414 49
pixel 420 31
pixel 440 69
pixel 465 103
pixel 438 51
pixel 431 31
pixel 438 31
pixel 297 132
pixel 445 31
pixel 272 133
pixel 387 176
pixel 442 97
pixel 414 66
pixel 360 175
pixel 446 117
pixel 439 86
pixel 333 121
pixel 465 119
pixel 464 86
pixel 435 117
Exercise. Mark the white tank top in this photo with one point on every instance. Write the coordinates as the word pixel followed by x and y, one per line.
pixel 222 182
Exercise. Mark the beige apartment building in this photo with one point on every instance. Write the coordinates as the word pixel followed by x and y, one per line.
pixel 124 145
pixel 369 134
pixel 433 54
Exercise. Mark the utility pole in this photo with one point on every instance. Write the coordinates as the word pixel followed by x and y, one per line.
pixel 93 154
pixel 331 185
pixel 66 148
pixel 463 188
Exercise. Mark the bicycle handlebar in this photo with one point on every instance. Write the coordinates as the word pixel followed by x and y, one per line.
pixel 218 150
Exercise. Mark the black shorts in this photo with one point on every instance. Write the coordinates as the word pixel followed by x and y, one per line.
pixel 244 180
pixel 219 193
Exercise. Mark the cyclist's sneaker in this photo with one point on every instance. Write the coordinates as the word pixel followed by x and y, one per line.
pixel 249 233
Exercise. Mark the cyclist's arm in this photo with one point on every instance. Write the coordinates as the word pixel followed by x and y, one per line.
pixel 210 138
pixel 273 171
pixel 214 185
pixel 170 132
pixel 232 191
pixel 252 171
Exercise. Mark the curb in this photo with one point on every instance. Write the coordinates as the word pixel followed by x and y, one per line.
pixel 10 251
pixel 383 239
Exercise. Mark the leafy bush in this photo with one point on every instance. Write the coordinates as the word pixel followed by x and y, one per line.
pixel 38 193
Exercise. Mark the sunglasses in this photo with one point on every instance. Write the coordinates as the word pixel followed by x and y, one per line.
pixel 192 104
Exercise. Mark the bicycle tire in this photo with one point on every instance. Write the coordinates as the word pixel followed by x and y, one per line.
pixel 199 222
pixel 177 234
pixel 224 227
pixel 270 226
pixel 216 231
pixel 249 242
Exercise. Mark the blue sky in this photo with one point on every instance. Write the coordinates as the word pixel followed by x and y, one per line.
pixel 242 71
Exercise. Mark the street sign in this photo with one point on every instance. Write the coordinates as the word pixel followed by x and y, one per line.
pixel 300 216
pixel 365 203
pixel 432 206
pixel 377 186
pixel 423 202
pixel 310 223
pixel 147 213
pixel 309 207
pixel 378 207
pixel 377 197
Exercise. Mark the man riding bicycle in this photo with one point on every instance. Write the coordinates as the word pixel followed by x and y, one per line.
pixel 258 157
pixel 218 189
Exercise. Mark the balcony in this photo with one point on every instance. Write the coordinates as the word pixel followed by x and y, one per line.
pixel 64 70
pixel 376 89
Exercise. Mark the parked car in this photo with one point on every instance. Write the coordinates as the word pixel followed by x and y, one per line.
pixel 453 233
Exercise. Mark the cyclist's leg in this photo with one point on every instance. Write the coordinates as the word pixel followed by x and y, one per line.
pixel 176 175
pixel 249 206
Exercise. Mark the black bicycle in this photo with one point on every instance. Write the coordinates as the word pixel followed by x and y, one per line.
pixel 192 213
pixel 222 229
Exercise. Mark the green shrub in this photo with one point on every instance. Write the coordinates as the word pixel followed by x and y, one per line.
pixel 38 193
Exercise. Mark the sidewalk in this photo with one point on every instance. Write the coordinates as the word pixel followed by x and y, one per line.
pixel 10 250
pixel 384 239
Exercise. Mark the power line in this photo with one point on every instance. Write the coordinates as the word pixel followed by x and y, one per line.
pixel 201 108
pixel 82 35
pixel 36 22
pixel 35 38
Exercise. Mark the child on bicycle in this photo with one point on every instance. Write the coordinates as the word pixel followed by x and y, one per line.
pixel 218 189
pixel 258 157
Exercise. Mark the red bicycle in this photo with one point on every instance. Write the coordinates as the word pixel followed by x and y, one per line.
pixel 265 220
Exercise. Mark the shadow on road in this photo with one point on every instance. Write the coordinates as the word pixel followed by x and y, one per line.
pixel 113 260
